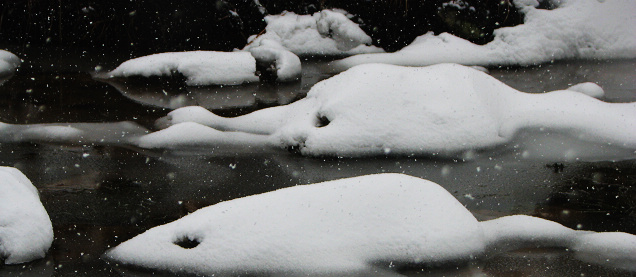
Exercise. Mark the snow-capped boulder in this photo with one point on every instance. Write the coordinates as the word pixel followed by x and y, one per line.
pixel 325 33
pixel 444 109
pixel 26 232
pixel 583 29
pixel 333 226
pixel 9 62
pixel 200 68
pixel 346 225
pixel 589 88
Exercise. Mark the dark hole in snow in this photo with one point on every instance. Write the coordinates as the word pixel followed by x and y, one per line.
pixel 187 242
pixel 293 149
pixel 266 71
pixel 322 121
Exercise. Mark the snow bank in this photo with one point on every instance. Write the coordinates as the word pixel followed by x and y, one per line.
pixel 344 225
pixel 329 32
pixel 586 29
pixel 333 226
pixel 26 232
pixel 444 109
pixel 8 63
pixel 199 67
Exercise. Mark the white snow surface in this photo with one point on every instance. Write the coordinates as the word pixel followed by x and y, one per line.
pixel 589 88
pixel 576 29
pixel 444 109
pixel 199 67
pixel 116 133
pixel 343 226
pixel 616 249
pixel 26 232
pixel 332 226
pixel 203 68
pixel 325 33
pixel 9 62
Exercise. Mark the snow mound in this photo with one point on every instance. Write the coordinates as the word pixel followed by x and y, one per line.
pixel 609 249
pixel 26 232
pixel 328 32
pixel 343 226
pixel 589 88
pixel 201 68
pixel 333 226
pixel 586 29
pixel 444 109
pixel 9 62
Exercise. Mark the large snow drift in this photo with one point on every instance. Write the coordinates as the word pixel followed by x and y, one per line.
pixel 385 109
pixel 582 29
pixel 26 232
pixel 325 33
pixel 8 63
pixel 343 225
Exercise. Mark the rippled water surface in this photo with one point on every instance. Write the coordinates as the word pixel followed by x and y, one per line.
pixel 101 195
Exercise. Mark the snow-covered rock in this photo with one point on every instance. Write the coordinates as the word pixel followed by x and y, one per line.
pixel 339 226
pixel 444 109
pixel 26 232
pixel 586 29
pixel 9 62
pixel 199 67
pixel 325 33
pixel 333 226
pixel 589 88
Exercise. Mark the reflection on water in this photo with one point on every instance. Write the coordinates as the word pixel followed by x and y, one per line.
pixel 244 98
pixel 615 77
pixel 172 93
pixel 594 196
pixel 99 196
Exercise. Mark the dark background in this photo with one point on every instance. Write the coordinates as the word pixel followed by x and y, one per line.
pixel 150 26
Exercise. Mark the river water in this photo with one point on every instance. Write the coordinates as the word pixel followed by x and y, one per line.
pixel 101 195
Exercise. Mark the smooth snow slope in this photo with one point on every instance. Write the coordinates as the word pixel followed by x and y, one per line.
pixel 346 225
pixel 26 232
pixel 381 109
pixel 576 29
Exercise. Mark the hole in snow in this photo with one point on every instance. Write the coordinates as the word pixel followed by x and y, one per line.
pixel 322 121
pixel 187 242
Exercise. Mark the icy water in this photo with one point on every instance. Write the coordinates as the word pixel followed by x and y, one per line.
pixel 99 196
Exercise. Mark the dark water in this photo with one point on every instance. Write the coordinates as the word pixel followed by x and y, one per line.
pixel 100 196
